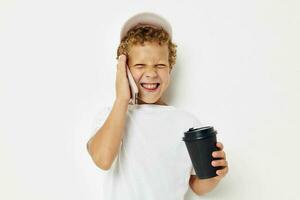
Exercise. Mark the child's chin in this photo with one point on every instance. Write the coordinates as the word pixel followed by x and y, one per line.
pixel 149 100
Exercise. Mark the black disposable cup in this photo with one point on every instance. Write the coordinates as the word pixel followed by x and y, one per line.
pixel 201 143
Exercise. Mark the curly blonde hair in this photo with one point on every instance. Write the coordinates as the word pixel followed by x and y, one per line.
pixel 144 33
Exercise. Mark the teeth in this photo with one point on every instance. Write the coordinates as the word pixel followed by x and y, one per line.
pixel 149 86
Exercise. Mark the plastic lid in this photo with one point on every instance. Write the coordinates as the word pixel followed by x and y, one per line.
pixel 199 133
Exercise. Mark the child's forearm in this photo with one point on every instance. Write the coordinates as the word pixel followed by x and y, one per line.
pixel 105 144
pixel 203 186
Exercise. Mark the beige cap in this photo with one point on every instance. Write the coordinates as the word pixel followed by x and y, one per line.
pixel 146 18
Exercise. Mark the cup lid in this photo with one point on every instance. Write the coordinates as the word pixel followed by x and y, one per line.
pixel 199 133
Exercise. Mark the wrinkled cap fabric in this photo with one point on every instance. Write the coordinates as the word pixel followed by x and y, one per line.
pixel 146 18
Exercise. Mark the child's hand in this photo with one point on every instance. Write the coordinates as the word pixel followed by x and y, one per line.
pixel 202 186
pixel 122 84
pixel 222 162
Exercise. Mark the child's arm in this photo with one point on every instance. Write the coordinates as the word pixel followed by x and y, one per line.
pixel 202 186
pixel 104 146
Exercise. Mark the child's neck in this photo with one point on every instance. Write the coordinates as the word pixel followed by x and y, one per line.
pixel 159 102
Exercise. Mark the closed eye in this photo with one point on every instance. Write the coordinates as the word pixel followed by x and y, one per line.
pixel 161 65
pixel 143 65
pixel 139 65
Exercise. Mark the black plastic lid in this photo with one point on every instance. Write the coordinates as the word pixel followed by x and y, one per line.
pixel 199 133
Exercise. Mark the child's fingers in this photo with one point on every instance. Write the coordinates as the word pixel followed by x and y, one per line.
pixel 122 84
pixel 122 57
pixel 219 154
pixel 121 63
pixel 222 162
pixel 220 145
pixel 222 172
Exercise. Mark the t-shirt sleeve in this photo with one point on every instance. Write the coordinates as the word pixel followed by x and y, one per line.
pixel 193 171
pixel 98 121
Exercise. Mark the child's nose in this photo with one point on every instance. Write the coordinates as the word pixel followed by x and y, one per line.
pixel 151 72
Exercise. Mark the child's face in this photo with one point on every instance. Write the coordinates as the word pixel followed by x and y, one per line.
pixel 150 64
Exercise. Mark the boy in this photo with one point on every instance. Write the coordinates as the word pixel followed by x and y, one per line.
pixel 141 145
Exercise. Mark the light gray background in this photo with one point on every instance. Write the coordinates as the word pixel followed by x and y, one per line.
pixel 238 68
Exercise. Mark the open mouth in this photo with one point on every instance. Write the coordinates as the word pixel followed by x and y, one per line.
pixel 151 87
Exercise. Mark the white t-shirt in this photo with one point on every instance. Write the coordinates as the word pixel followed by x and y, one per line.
pixel 153 162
